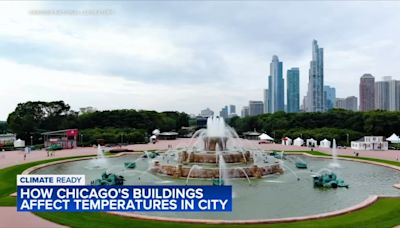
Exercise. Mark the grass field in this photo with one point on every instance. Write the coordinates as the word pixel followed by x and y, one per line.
pixel 384 213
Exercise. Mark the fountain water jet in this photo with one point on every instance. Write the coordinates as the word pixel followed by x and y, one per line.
pixel 334 163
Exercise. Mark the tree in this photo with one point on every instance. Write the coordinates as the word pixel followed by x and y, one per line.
pixel 32 118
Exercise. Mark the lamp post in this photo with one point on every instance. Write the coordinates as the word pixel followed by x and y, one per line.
pixel 81 139
pixel 31 140
pixel 347 134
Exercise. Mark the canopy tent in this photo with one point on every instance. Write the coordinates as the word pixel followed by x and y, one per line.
pixel 19 143
pixel 311 142
pixel 393 138
pixel 264 136
pixel 156 132
pixel 325 143
pixel 298 142
pixel 286 141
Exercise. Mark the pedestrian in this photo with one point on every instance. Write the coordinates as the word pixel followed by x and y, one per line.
pixel 24 156
pixel 48 153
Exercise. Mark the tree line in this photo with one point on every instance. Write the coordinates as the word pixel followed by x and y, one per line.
pixel 35 117
pixel 341 124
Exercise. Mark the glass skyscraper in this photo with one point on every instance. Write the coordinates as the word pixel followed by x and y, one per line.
pixel 329 97
pixel 315 94
pixel 293 90
pixel 276 98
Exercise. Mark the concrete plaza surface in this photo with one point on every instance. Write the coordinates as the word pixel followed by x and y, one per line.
pixel 9 217
pixel 10 158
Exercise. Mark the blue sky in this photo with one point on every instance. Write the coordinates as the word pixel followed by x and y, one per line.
pixel 186 55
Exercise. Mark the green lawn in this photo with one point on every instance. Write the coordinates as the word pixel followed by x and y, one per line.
pixel 384 213
pixel 8 176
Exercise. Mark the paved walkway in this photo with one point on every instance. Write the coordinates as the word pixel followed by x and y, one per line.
pixel 11 218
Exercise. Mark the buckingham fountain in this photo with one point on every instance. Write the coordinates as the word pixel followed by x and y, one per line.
pixel 216 153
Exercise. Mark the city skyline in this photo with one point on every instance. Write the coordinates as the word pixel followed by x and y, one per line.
pixel 181 56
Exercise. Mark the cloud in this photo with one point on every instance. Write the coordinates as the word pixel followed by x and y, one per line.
pixel 202 54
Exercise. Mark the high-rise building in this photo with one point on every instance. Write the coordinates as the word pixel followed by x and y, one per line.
pixel 329 97
pixel 351 103
pixel 245 111
pixel 293 90
pixel 340 103
pixel 394 94
pixel 367 93
pixel 224 112
pixel 382 95
pixel 266 106
pixel 269 104
pixel 256 108
pixel 315 94
pixel 275 86
pixel 232 109
pixel 348 103
pixel 206 113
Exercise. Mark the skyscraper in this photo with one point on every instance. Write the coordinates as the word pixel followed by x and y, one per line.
pixel 315 94
pixel 393 94
pixel 275 86
pixel 348 103
pixel 293 90
pixel 367 93
pixel 329 97
pixel 351 103
pixel 256 108
pixel 266 106
pixel 224 112
pixel 232 109
pixel 382 95
pixel 245 111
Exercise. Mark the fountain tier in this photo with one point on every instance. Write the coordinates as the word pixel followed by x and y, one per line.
pixel 182 171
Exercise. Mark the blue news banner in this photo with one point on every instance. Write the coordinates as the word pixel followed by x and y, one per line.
pixel 124 198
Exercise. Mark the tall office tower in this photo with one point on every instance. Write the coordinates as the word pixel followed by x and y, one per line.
pixel 351 103
pixel 340 103
pixel 232 109
pixel 367 93
pixel 315 93
pixel 329 97
pixel 266 94
pixel 393 94
pixel 275 86
pixel 224 112
pixel 382 95
pixel 269 104
pixel 348 103
pixel 293 90
pixel 206 113
pixel 256 108
pixel 245 111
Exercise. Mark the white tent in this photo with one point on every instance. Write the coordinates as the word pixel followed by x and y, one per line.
pixel 393 138
pixel 311 142
pixel 325 143
pixel 287 141
pixel 264 136
pixel 156 132
pixel 19 143
pixel 298 142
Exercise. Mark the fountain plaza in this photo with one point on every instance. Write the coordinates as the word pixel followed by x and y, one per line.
pixel 265 184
